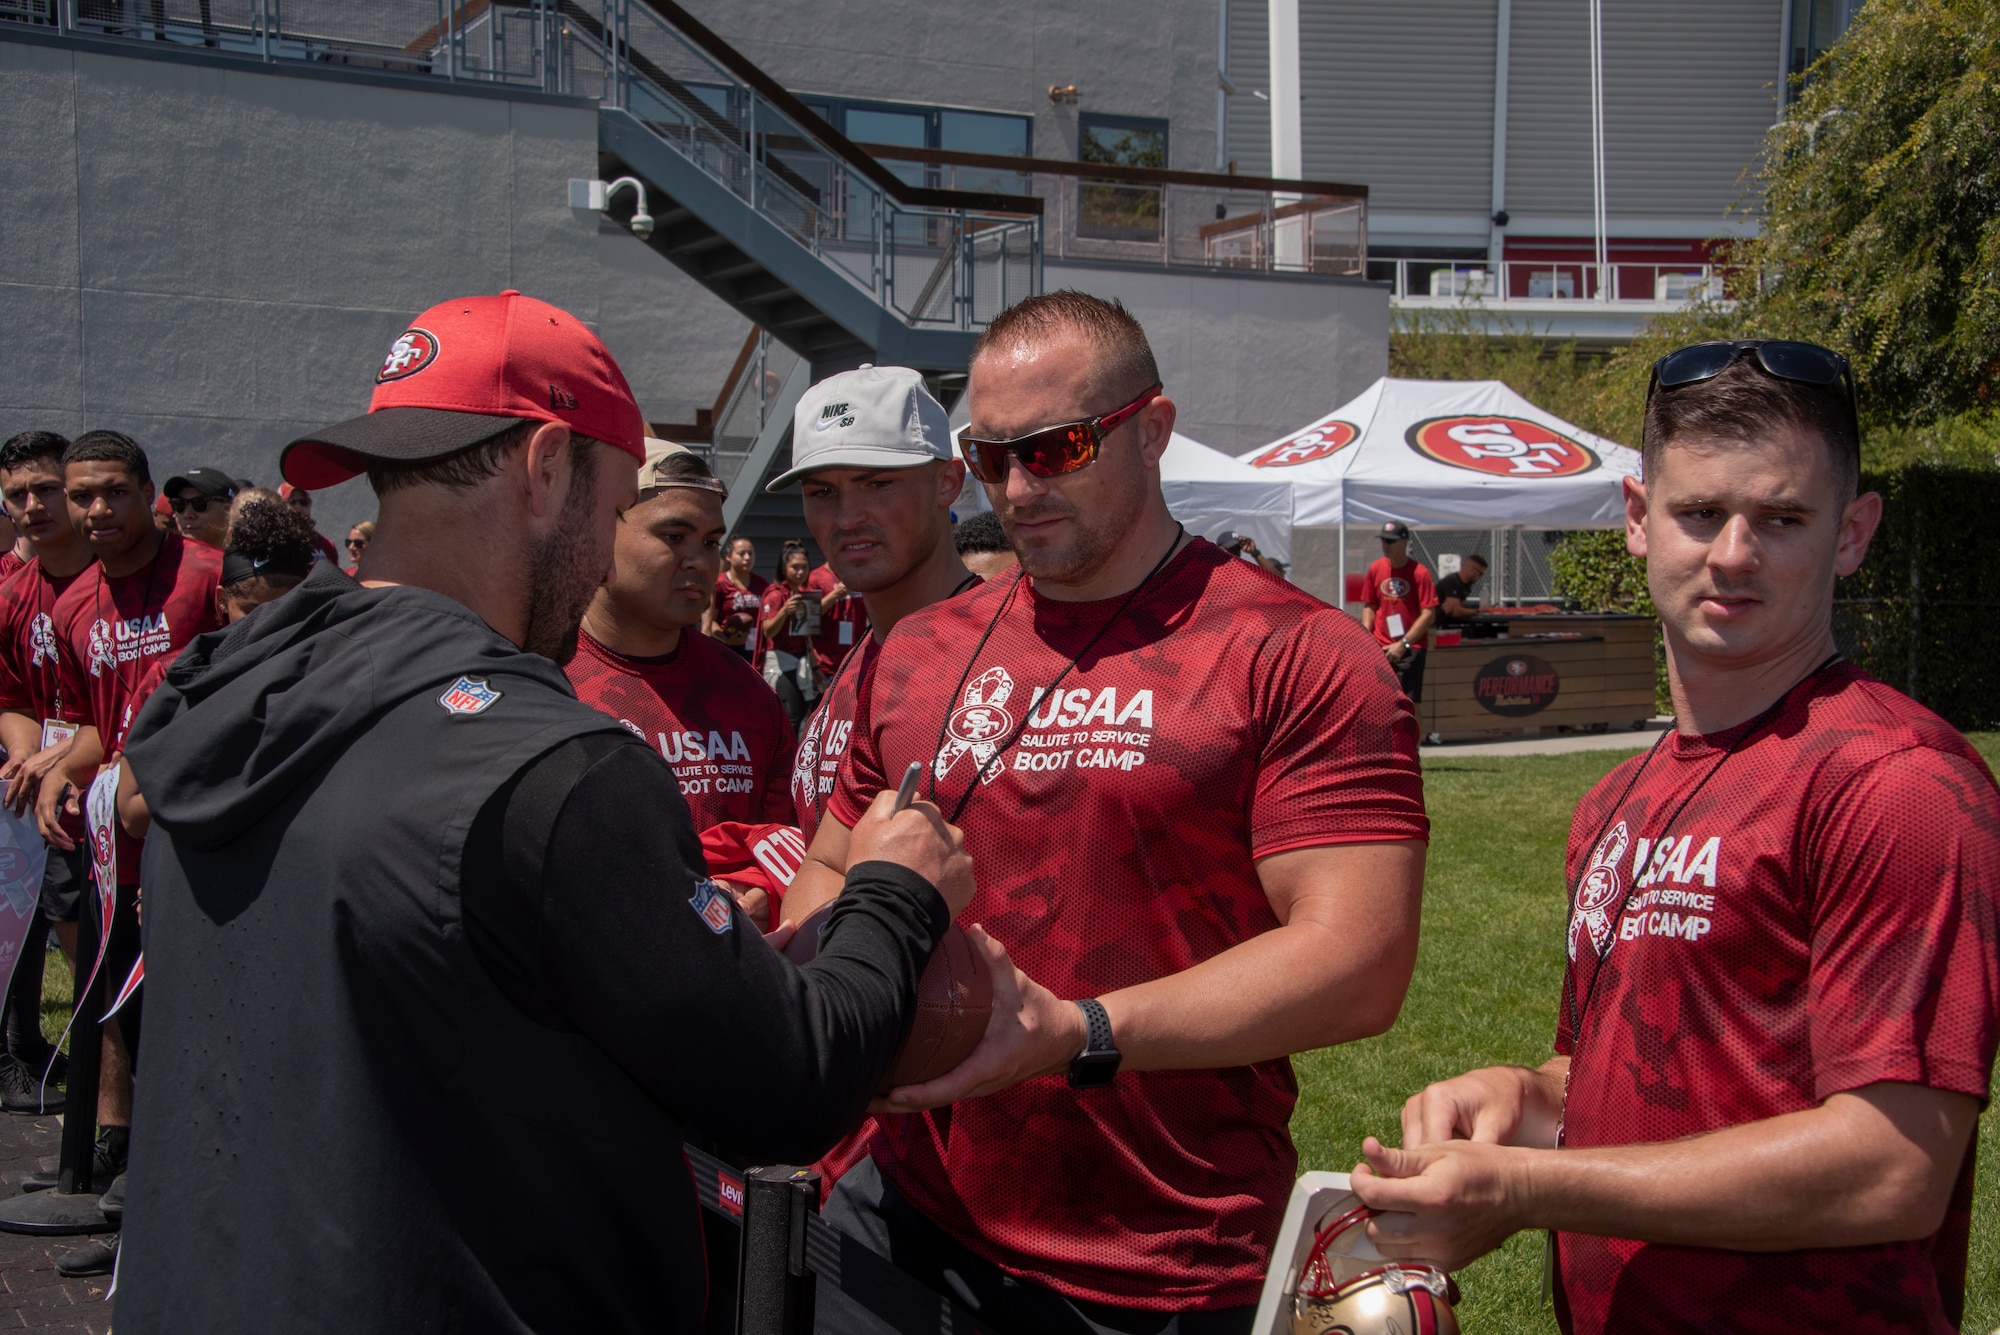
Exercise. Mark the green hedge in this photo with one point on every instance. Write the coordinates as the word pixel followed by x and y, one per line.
pixel 1923 612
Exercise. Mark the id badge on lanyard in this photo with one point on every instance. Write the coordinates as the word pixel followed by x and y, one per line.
pixel 57 730
pixel 847 632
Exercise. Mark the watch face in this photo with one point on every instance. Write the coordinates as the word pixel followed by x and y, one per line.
pixel 1093 1070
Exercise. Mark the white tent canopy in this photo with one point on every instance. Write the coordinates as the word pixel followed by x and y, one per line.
pixel 1215 495
pixel 1448 454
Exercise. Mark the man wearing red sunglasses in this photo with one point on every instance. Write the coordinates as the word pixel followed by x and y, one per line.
pixel 1192 798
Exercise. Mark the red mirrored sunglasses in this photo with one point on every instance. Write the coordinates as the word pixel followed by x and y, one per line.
pixel 1052 451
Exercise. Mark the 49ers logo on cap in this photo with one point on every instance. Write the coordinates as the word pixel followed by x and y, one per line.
pixel 1313 443
pixel 413 350
pixel 1505 446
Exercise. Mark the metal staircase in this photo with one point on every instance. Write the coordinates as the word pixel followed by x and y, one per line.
pixel 777 214
pixel 755 197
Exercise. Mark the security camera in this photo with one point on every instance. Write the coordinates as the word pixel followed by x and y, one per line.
pixel 642 225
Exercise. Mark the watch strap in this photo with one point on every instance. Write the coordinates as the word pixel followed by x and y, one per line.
pixel 1098 1023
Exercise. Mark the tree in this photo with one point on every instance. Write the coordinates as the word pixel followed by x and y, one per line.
pixel 1881 208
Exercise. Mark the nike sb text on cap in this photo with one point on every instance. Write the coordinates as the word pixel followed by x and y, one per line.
pixel 876 417
pixel 466 370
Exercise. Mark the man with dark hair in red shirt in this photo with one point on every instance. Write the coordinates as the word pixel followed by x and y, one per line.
pixel 1399 603
pixel 1193 798
pixel 33 722
pixel 1779 1020
pixel 640 656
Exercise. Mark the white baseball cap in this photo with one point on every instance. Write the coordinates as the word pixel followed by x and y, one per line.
pixel 876 417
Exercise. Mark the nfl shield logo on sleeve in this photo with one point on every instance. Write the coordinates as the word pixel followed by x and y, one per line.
pixel 713 903
pixel 468 695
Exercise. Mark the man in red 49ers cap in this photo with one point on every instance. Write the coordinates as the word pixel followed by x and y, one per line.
pixel 430 941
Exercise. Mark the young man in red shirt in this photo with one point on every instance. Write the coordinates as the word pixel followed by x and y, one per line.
pixel 877 491
pixel 1192 798
pixel 641 659
pixel 1399 603
pixel 1779 1020
pixel 33 719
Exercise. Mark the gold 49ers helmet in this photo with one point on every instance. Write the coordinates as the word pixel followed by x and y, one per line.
pixel 1341 1294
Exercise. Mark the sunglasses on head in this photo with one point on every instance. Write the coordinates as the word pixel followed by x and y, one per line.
pixel 1787 359
pixel 1052 451
pixel 198 504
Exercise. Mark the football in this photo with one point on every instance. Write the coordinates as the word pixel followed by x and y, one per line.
pixel 954 1002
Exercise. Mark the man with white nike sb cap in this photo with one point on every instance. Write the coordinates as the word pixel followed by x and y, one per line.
pixel 873 457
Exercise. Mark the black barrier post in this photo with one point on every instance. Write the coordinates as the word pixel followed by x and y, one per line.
pixel 774 1286
pixel 71 1207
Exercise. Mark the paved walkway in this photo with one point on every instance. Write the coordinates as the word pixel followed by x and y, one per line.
pixel 32 1294
pixel 1550 746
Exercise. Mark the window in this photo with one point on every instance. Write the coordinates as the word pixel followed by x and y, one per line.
pixel 1816 25
pixel 1119 212
pixel 910 125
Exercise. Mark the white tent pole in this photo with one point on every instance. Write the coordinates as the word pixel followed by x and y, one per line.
pixel 1340 597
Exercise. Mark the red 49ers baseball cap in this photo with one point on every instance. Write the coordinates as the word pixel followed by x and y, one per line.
pixel 466 370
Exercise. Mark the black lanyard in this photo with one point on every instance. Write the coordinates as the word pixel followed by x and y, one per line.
pixel 1578 1012
pixel 1000 751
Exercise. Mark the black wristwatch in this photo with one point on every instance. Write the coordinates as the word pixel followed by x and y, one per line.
pixel 1098 1062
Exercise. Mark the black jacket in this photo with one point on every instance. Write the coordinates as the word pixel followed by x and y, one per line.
pixel 433 1000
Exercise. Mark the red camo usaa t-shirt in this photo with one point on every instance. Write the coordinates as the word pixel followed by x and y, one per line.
pixel 30 661
pixel 112 630
pixel 1818 917
pixel 824 737
pixel 1226 716
pixel 712 718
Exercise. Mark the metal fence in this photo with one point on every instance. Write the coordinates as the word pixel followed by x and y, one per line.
pixel 1667 285
pixel 1182 223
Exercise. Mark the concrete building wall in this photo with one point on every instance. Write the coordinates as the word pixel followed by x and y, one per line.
pixel 1153 60
pixel 214 260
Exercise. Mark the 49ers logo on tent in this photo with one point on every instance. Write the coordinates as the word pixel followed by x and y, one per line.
pixel 1313 443
pixel 1504 446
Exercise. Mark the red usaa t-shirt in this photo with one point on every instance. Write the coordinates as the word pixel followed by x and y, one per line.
pixel 114 633
pixel 824 737
pixel 841 627
pixel 732 601
pixel 30 671
pixel 713 719
pixel 1225 717
pixel 1399 597
pixel 1821 915
pixel 112 630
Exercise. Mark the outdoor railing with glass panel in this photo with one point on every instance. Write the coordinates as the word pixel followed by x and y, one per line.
pixel 936 258
pixel 1470 281
pixel 1205 220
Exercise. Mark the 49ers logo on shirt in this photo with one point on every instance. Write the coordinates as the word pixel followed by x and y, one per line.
pixel 1504 446
pixel 1395 587
pixel 1313 443
pixel 413 350
pixel 978 726
pixel 1599 892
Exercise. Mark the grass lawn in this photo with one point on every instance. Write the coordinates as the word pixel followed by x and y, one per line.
pixel 1485 993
